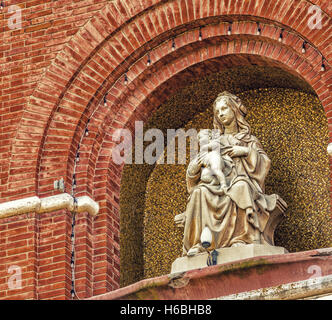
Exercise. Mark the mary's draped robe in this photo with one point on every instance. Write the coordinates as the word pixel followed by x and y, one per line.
pixel 224 210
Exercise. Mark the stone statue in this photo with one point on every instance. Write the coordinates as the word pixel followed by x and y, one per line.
pixel 225 182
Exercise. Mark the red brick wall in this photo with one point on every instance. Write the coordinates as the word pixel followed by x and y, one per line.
pixel 25 55
pixel 54 73
pixel 18 246
pixel 41 246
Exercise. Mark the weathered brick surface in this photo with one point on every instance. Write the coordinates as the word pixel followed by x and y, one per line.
pixel 18 240
pixel 41 246
pixel 56 69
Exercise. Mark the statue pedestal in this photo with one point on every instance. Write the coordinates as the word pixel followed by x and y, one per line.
pixel 225 255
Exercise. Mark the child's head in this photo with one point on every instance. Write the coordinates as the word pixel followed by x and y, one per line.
pixel 204 134
pixel 204 137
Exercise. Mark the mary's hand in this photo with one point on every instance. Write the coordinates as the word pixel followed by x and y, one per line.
pixel 238 151
pixel 180 220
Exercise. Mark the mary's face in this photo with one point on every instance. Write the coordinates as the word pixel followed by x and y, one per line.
pixel 224 113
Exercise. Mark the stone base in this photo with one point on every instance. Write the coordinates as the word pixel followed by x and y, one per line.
pixel 276 277
pixel 226 255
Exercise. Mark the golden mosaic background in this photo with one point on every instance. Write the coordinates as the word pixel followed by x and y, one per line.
pixel 291 125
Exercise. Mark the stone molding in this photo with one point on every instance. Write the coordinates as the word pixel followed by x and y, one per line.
pixel 300 275
pixel 49 204
pixel 314 288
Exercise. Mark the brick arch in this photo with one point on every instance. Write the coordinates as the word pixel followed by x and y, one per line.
pixel 133 108
pixel 106 176
pixel 75 74
pixel 189 39
pixel 106 181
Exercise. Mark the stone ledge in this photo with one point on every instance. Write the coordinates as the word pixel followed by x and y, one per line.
pixel 49 204
pixel 226 255
pixel 311 289
pixel 235 277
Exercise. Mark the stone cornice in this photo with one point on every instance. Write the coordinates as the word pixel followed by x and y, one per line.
pixel 49 204
pixel 300 275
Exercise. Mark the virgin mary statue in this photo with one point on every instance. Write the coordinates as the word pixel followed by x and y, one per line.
pixel 238 213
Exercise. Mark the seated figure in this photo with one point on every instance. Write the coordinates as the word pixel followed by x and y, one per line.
pixel 226 185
